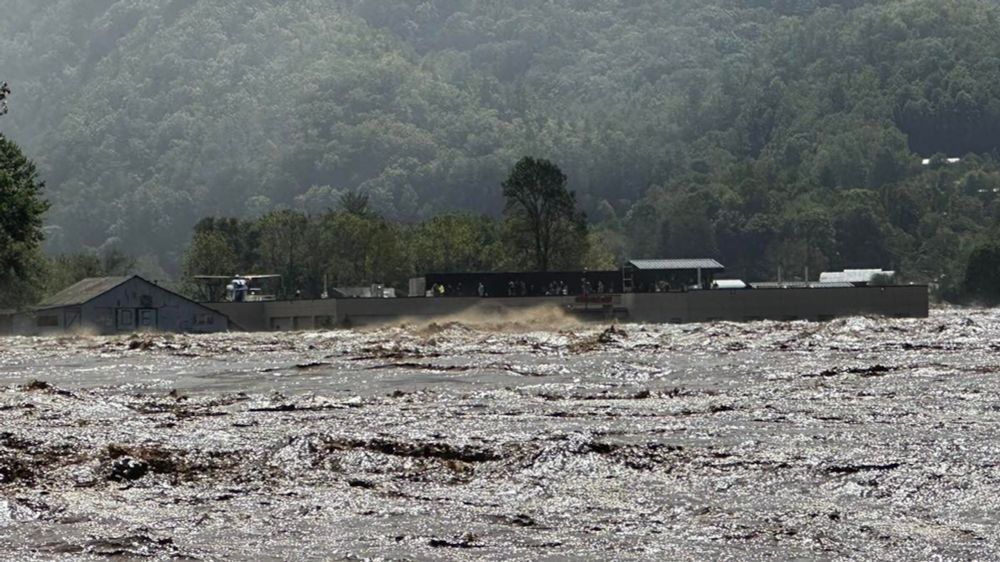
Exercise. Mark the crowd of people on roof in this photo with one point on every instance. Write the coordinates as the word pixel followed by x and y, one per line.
pixel 521 288
pixel 559 287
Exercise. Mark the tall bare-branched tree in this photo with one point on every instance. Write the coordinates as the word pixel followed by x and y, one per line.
pixel 544 223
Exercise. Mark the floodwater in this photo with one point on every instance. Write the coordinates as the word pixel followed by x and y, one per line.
pixel 534 439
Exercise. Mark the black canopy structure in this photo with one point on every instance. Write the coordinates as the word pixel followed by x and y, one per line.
pixel 522 284
pixel 645 276
pixel 636 276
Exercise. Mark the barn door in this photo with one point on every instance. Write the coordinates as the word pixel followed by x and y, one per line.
pixel 125 319
pixel 71 318
pixel 148 318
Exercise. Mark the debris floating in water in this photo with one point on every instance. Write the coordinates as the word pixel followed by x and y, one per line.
pixel 521 440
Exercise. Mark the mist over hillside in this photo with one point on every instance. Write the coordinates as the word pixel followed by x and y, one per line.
pixel 762 132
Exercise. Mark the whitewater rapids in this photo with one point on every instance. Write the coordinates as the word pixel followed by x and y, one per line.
pixel 527 439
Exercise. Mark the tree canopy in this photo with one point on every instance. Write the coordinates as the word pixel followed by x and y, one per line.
pixel 543 222
pixel 982 274
pixel 21 210
pixel 4 92
pixel 767 134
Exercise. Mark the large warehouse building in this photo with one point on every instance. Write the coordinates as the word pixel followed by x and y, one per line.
pixel 111 305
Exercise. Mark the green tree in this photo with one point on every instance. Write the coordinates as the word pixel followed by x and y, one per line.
pixel 982 273
pixel 4 92
pixel 424 106
pixel 284 248
pixel 236 242
pixel 64 270
pixel 361 250
pixel 691 233
pixel 355 203
pixel 644 227
pixel 808 242
pixel 21 210
pixel 453 244
pixel 210 254
pixel 860 231
pixel 543 222
pixel 605 250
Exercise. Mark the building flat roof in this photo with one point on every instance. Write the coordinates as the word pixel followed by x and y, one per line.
pixel 653 265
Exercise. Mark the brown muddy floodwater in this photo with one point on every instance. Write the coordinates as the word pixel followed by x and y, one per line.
pixel 537 439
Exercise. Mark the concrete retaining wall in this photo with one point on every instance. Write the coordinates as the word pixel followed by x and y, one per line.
pixel 694 306
pixel 778 304
pixel 331 313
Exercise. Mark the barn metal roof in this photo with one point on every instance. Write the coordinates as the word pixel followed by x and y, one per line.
pixel 676 264
pixel 82 292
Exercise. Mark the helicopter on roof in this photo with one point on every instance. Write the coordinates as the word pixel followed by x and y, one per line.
pixel 242 288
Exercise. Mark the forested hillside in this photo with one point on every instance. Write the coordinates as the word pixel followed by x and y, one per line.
pixel 765 133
